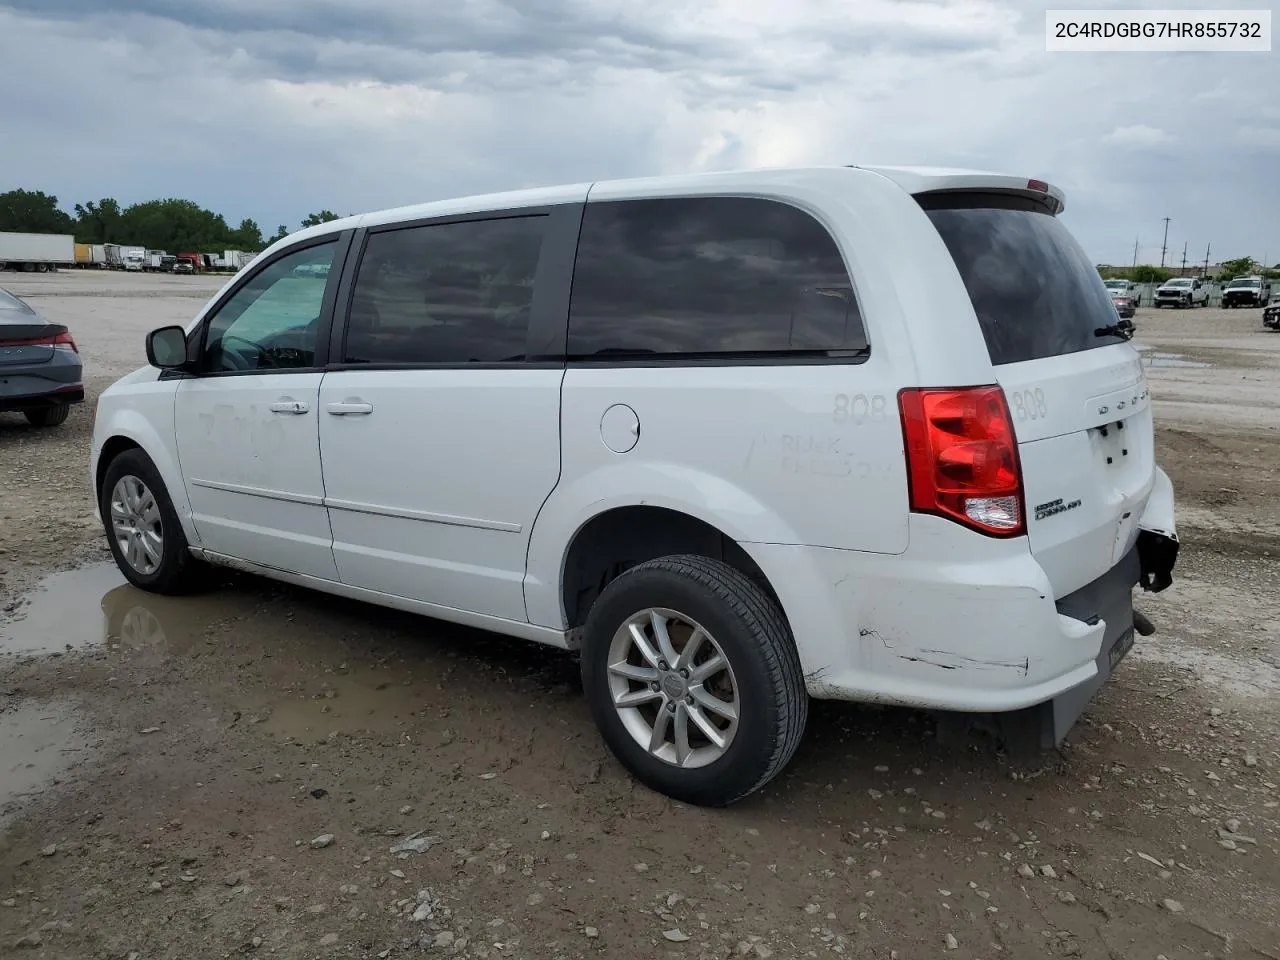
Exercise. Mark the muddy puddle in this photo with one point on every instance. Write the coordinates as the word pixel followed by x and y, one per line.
pixel 377 702
pixel 1160 360
pixel 305 689
pixel 94 605
pixel 39 741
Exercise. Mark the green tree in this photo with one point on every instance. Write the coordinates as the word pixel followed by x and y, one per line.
pixel 315 219
pixel 281 232
pixel 1241 267
pixel 99 222
pixel 173 225
pixel 247 236
pixel 1149 274
pixel 32 211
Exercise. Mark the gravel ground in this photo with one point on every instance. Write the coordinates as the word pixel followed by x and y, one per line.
pixel 261 770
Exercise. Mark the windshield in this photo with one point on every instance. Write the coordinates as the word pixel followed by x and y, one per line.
pixel 1035 291
pixel 1244 283
pixel 1116 284
pixel 1178 283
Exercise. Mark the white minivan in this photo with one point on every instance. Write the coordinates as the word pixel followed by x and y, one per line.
pixel 741 439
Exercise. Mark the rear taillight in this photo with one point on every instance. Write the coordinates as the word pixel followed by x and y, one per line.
pixel 962 457
pixel 62 340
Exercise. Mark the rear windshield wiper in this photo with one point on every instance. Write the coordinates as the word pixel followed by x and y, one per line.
pixel 1123 330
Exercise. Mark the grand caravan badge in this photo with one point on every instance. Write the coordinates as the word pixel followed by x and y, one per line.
pixel 1045 510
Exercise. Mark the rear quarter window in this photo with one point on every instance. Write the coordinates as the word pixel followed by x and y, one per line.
pixel 713 278
pixel 1033 288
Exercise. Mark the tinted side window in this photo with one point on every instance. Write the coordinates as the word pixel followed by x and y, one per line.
pixel 445 293
pixel 708 277
pixel 271 322
pixel 1035 291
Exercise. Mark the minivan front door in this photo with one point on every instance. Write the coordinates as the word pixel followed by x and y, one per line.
pixel 440 435
pixel 247 423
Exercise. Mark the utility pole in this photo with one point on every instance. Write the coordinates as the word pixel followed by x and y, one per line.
pixel 1164 245
pixel 1207 248
pixel 1135 252
pixel 1183 271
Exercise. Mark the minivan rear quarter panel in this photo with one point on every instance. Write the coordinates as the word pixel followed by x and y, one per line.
pixel 774 451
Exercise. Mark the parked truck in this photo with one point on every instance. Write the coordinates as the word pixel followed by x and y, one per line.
pixel 133 258
pixel 38 252
pixel 98 254
pixel 234 260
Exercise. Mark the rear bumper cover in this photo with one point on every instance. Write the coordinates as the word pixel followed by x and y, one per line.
pixel 47 395
pixel 24 386
pixel 966 625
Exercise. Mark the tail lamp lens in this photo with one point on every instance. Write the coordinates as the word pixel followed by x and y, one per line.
pixel 962 457
pixel 61 340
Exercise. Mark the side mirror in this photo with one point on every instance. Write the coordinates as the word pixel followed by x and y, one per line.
pixel 167 348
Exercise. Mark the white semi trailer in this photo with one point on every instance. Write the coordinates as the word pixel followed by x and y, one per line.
pixel 37 252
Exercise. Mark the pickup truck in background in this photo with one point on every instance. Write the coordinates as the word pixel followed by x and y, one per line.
pixel 1181 292
pixel 1246 292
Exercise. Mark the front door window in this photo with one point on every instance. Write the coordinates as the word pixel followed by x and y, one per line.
pixel 272 322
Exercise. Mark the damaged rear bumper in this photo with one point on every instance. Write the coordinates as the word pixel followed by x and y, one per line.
pixel 1107 601
pixel 967 625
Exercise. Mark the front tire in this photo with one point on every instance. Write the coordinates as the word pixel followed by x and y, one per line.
pixel 146 537
pixel 693 679
pixel 48 416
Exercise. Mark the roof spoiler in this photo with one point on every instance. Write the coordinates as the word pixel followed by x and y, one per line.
pixel 917 180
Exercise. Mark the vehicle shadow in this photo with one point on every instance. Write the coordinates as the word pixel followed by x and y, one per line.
pixel 501 688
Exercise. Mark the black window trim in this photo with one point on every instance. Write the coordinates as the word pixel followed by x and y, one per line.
pixel 196 344
pixel 549 309
pixel 799 358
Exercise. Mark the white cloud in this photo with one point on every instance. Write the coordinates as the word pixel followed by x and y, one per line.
pixel 273 111
pixel 1138 135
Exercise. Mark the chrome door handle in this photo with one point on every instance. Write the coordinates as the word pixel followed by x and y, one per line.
pixel 285 405
pixel 350 408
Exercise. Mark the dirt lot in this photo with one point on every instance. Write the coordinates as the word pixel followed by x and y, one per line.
pixel 166 766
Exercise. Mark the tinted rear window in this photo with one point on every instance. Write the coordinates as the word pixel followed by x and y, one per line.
pixel 1033 288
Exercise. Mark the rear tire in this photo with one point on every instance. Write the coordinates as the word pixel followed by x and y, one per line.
pixel 756 703
pixel 48 416
pixel 143 530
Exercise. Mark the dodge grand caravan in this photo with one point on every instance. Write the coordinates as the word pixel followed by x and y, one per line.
pixel 741 439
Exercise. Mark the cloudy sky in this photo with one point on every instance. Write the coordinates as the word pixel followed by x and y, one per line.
pixel 273 108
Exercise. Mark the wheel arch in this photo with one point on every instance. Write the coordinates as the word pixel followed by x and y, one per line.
pixel 620 537
pixel 130 431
